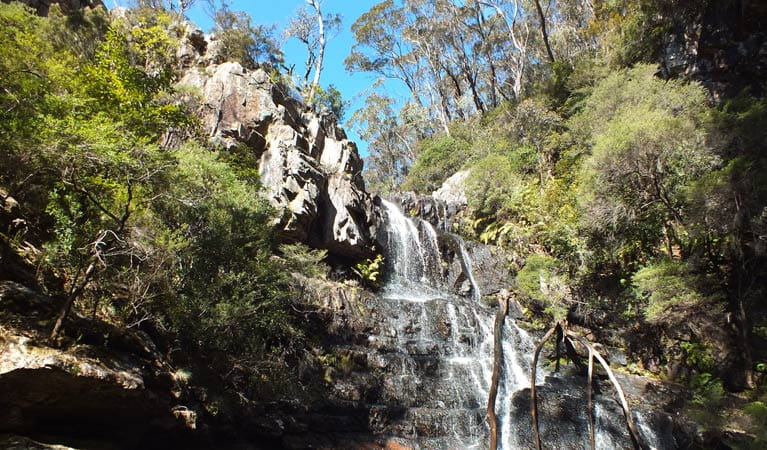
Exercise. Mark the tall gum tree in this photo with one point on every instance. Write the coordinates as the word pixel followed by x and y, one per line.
pixel 314 31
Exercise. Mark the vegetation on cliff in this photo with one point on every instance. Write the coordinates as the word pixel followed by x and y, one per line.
pixel 124 211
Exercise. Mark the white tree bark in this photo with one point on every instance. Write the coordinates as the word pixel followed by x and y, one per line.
pixel 321 50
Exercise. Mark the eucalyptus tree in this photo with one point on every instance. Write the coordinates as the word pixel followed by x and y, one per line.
pixel 380 49
pixel 516 55
pixel 392 137
pixel 180 6
pixel 313 30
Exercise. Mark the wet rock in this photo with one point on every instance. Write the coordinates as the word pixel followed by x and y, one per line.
pixel 563 419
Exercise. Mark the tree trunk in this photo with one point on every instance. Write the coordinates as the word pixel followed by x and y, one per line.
pixel 742 324
pixel 492 420
pixel 542 18
pixel 74 293
pixel 592 440
pixel 321 53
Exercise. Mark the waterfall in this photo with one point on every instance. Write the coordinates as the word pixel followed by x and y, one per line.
pixel 441 362
pixel 436 350
pixel 467 268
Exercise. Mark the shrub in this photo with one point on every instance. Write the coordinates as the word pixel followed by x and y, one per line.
pixel 305 260
pixel 493 186
pixel 543 279
pixel 438 159
pixel 673 291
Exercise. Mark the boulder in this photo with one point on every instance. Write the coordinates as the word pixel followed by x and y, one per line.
pixel 453 190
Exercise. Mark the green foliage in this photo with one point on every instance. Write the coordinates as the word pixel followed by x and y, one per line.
pixel 674 292
pixel 757 414
pixel 305 260
pixel 369 270
pixel 648 141
pixel 706 406
pixel 127 92
pixel 153 36
pixel 494 187
pixel 180 237
pixel 229 295
pixel 438 159
pixel 542 279
pixel 244 42
pixel 698 355
pixel 332 99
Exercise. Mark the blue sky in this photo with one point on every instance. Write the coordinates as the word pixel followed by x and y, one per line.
pixel 279 12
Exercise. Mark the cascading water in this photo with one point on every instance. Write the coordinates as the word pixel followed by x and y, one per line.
pixel 442 361
pixel 436 349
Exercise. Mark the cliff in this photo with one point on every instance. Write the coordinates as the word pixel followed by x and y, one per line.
pixel 311 172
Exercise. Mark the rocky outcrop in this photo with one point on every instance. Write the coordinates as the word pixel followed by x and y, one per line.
pixel 442 208
pixel 724 46
pixel 311 172
pixel 109 387
pixel 453 190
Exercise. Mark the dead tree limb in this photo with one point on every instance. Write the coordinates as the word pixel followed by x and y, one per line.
pixel 624 404
pixel 592 439
pixel 533 396
pixel 558 347
pixel 500 316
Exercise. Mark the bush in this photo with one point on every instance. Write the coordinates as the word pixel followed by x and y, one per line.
pixel 305 260
pixel 369 270
pixel 243 42
pixel 543 279
pixel 707 401
pixel 673 292
pixel 493 187
pixel 648 143
pixel 231 294
pixel 438 159
pixel 757 414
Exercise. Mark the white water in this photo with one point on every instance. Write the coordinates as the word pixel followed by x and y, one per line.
pixel 442 357
pixel 464 356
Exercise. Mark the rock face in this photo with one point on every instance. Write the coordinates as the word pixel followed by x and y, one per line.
pixel 563 419
pixel 443 208
pixel 87 396
pixel 724 47
pixel 311 172
pixel 452 190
